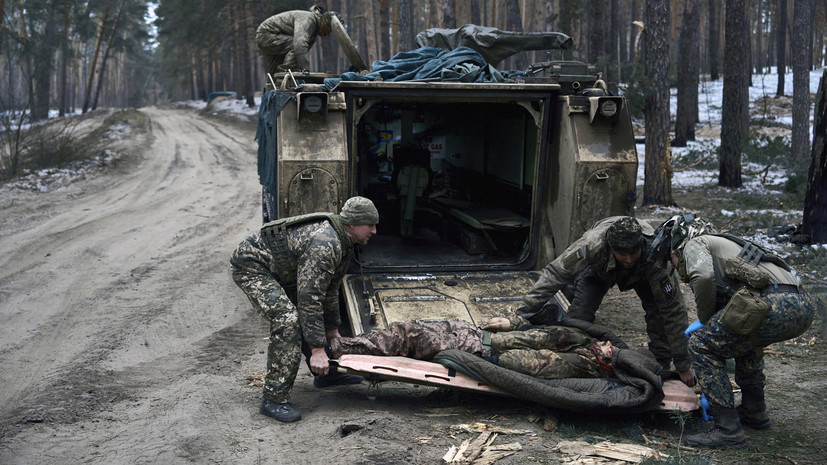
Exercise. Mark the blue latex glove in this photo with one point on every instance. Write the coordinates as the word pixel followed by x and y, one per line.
pixel 705 408
pixel 692 328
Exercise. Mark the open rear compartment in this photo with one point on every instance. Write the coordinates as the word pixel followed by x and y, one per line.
pixel 453 170
pixel 453 175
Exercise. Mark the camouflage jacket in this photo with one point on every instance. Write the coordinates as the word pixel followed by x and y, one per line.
pixel 592 251
pixel 703 266
pixel 311 273
pixel 302 25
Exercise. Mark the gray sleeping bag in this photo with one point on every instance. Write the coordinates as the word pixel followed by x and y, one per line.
pixel 637 388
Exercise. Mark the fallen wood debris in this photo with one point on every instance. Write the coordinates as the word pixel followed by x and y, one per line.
pixel 480 451
pixel 256 379
pixel 481 427
pixel 581 450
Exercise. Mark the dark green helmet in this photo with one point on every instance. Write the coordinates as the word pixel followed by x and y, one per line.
pixel 674 233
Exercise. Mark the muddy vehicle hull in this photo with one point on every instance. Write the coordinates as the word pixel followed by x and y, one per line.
pixel 478 185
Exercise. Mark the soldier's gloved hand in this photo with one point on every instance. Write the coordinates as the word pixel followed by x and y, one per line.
pixel 688 377
pixel 497 324
pixel 319 361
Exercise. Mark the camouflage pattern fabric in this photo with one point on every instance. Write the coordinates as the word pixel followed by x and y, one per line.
pixel 543 352
pixel 550 352
pixel 302 311
pixel 625 235
pixel 591 266
pixel 359 211
pixel 702 264
pixel 421 340
pixel 789 316
pixel 285 39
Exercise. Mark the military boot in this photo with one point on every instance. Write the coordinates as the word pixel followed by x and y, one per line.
pixel 281 411
pixel 753 409
pixel 727 431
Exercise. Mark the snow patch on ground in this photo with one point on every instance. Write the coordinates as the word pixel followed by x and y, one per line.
pixel 49 179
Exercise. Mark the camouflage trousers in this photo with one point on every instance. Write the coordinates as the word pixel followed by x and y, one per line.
pixel 251 272
pixel 278 50
pixel 543 352
pixel 789 316
pixel 421 340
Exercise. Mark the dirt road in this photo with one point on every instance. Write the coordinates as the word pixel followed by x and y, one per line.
pixel 124 340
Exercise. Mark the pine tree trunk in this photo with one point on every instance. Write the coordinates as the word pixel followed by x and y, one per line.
pixel 106 54
pixel 781 45
pixel 688 65
pixel 714 36
pixel 476 15
pixel 449 14
pixel 64 64
pixel 94 64
pixel 43 67
pixel 384 27
pixel 406 29
pixel 801 79
pixel 735 99
pixel 815 201
pixel 657 186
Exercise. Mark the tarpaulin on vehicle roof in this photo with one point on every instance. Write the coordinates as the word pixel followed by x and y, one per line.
pixel 462 64
pixel 494 44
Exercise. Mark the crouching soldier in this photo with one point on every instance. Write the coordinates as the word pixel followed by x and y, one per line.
pixel 609 254
pixel 747 299
pixel 291 271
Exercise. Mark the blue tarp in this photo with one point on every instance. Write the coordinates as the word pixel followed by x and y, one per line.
pixel 428 63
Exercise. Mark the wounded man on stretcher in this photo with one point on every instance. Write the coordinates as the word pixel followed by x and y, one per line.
pixel 574 365
pixel 549 352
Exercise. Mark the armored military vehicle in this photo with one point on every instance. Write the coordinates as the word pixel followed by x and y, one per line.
pixel 478 185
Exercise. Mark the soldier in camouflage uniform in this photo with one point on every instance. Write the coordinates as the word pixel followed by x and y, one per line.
pixel 549 352
pixel 291 271
pixel 610 254
pixel 285 39
pixel 747 299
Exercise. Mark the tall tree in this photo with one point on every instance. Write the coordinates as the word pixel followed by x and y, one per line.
pixel 384 28
pixel 735 99
pixel 93 68
pixel 815 201
pixel 44 46
pixel 406 26
pixel 105 58
pixel 476 15
pixel 449 14
pixel 712 39
pixel 688 69
pixel 801 78
pixel 513 22
pixel 657 185
pixel 781 45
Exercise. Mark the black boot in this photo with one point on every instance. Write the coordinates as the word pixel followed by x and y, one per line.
pixel 283 412
pixel 753 409
pixel 727 431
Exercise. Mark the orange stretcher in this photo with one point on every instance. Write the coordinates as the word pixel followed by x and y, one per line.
pixel 677 396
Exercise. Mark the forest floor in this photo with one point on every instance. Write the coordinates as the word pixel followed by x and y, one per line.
pixel 124 339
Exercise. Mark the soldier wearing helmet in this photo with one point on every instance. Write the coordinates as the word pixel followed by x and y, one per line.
pixel 747 299
pixel 609 254
pixel 285 39
pixel 291 271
